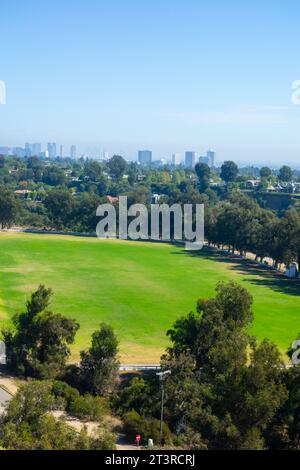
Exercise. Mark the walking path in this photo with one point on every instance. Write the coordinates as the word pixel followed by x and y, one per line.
pixel 5 397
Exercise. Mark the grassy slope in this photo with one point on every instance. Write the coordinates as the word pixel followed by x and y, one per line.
pixel 140 288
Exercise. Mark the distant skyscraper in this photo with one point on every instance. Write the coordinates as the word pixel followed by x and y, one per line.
pixel 210 159
pixel 51 147
pixel 27 150
pixel 61 152
pixel 32 150
pixel 190 159
pixel 204 160
pixel 19 152
pixel 73 151
pixel 145 157
pixel 176 159
pixel 36 149
pixel 4 151
pixel 211 156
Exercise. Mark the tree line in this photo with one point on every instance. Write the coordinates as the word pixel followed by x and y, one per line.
pixel 236 222
pixel 240 224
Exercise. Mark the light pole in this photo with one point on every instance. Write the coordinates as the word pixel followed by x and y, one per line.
pixel 161 378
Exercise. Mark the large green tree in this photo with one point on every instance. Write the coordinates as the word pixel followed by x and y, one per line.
pixel 285 174
pixel 99 365
pixel 9 208
pixel 203 172
pixel 237 381
pixel 84 212
pixel 117 167
pixel 60 206
pixel 92 170
pixel 54 176
pixel 265 172
pixel 229 171
pixel 38 346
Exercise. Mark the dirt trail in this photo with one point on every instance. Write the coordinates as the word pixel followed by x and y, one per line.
pixel 9 383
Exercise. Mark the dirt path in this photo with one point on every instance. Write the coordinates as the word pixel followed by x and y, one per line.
pixel 9 383
pixel 92 428
pixel 75 423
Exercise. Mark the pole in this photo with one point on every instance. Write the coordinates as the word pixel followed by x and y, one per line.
pixel 162 409
pixel 161 378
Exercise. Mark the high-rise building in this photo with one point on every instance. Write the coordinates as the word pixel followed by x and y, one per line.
pixel 145 157
pixel 36 149
pixel 19 152
pixel 33 150
pixel 176 159
pixel 209 159
pixel 51 147
pixel 211 156
pixel 4 151
pixel 27 150
pixel 204 160
pixel 190 159
pixel 61 151
pixel 73 151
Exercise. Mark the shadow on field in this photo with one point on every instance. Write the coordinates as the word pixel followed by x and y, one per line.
pixel 265 277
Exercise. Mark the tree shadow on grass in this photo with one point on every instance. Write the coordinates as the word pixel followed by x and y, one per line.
pixel 262 275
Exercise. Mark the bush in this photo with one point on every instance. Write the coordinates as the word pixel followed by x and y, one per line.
pixel 51 434
pixel 89 407
pixel 105 440
pixel 139 394
pixel 132 423
pixel 83 407
pixel 64 394
pixel 148 428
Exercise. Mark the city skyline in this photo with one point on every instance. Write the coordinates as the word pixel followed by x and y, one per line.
pixel 102 153
pixel 188 158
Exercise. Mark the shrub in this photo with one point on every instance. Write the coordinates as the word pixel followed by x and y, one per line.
pixel 148 428
pixel 89 407
pixel 83 407
pixel 64 394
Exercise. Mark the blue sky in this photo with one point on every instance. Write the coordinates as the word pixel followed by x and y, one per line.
pixel 168 75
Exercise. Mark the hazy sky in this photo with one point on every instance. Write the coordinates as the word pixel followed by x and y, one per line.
pixel 169 75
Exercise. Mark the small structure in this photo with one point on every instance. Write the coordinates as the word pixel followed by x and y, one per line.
pixel 141 178
pixel 292 271
pixel 112 200
pixel 156 198
pixel 23 193
pixel 2 353
pixel 150 444
pixel 251 184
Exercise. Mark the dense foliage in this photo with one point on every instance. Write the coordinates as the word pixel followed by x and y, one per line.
pixel 38 346
pixel 225 390
pixel 29 424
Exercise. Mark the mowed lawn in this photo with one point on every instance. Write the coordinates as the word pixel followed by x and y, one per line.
pixel 139 288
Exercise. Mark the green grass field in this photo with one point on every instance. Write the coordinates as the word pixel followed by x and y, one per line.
pixel 139 288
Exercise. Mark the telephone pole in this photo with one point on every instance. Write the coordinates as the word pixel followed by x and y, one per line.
pixel 161 376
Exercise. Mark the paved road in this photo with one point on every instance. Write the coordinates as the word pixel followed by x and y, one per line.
pixel 139 367
pixel 123 444
pixel 4 398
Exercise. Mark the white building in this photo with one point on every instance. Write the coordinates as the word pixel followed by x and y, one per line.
pixel 176 159
pixel 292 271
